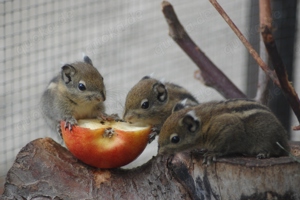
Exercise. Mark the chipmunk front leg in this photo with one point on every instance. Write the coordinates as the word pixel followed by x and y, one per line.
pixel 210 157
pixel 70 122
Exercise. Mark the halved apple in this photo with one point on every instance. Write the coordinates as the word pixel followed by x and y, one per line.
pixel 105 144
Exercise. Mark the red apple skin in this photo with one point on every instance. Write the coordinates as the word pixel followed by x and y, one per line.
pixel 92 148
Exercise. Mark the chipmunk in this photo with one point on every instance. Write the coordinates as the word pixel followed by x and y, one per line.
pixel 151 101
pixel 223 128
pixel 76 92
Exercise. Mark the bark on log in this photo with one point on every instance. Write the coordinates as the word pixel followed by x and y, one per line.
pixel 45 170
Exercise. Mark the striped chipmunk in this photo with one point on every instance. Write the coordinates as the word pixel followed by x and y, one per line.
pixel 151 101
pixel 222 128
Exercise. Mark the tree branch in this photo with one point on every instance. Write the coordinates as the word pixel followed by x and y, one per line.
pixel 263 80
pixel 280 69
pixel 281 81
pixel 251 50
pixel 262 92
pixel 209 74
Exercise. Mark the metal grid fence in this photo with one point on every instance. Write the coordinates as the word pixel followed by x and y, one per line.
pixel 125 39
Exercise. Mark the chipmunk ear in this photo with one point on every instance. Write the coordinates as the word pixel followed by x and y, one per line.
pixel 148 76
pixel 161 91
pixel 87 60
pixel 180 105
pixel 145 77
pixel 67 73
pixel 190 121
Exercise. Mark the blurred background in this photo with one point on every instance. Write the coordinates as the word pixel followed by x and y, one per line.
pixel 127 40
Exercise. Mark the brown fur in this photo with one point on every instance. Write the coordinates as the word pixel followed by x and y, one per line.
pixel 222 128
pixel 63 100
pixel 161 97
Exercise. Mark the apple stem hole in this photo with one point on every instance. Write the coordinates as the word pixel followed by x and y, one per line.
pixel 109 132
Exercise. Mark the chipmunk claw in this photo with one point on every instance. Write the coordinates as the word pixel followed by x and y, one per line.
pixel 263 155
pixel 106 117
pixel 58 130
pixel 209 157
pixel 153 134
pixel 70 122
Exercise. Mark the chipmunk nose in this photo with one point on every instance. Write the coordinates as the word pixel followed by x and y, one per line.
pixel 127 117
pixel 100 97
pixel 103 96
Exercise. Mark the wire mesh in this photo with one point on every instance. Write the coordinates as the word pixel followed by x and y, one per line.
pixel 125 39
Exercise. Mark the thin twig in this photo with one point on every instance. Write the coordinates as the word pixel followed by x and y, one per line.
pixel 209 73
pixel 281 81
pixel 251 50
pixel 280 69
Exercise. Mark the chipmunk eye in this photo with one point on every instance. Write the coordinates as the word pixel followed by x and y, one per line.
pixel 174 138
pixel 145 104
pixel 81 85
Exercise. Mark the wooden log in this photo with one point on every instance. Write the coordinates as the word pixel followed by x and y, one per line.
pixel 44 169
